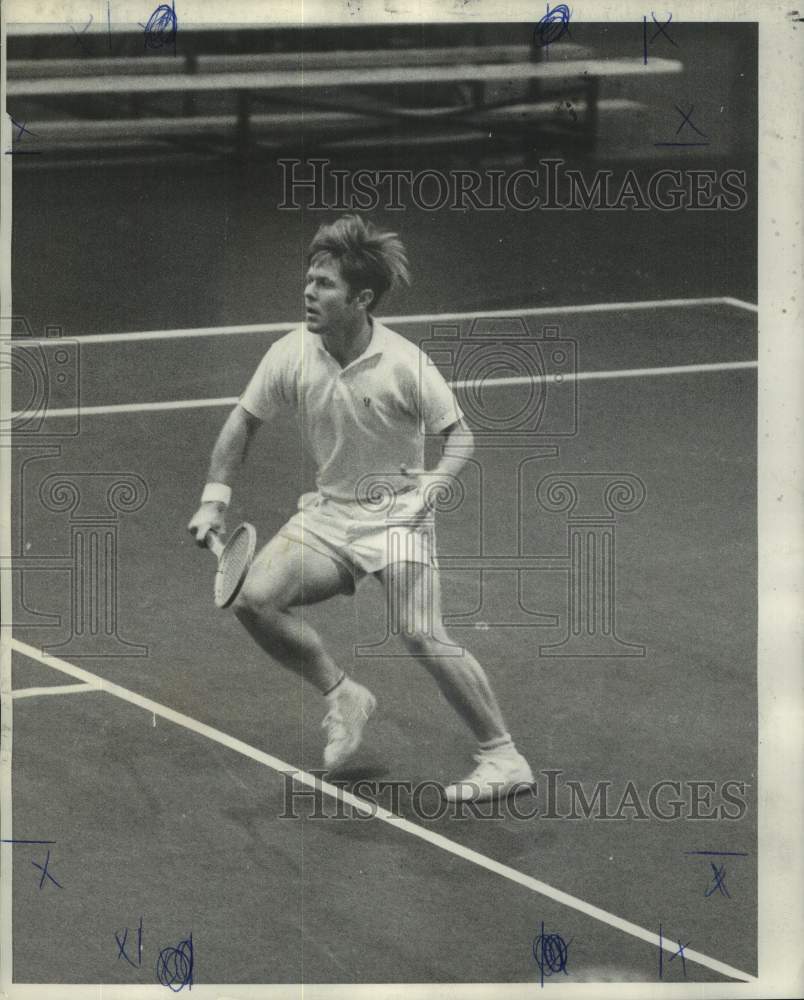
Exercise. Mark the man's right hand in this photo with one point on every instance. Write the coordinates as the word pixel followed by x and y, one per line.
pixel 210 516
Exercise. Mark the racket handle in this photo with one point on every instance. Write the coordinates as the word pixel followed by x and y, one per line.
pixel 213 543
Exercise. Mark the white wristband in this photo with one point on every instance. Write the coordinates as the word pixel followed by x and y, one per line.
pixel 217 493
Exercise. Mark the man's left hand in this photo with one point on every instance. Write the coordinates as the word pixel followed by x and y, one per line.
pixel 433 486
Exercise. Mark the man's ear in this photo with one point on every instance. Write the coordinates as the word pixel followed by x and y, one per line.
pixel 365 297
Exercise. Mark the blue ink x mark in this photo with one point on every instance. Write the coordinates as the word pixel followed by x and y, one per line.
pixel 686 120
pixel 121 946
pixel 680 954
pixel 22 130
pixel 78 40
pixel 719 880
pixel 661 31
pixel 718 871
pixel 676 954
pixel 45 872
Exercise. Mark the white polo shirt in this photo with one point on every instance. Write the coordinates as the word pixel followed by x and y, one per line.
pixel 366 419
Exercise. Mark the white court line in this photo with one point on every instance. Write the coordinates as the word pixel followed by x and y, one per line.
pixel 88 411
pixel 168 404
pixel 229 331
pixel 371 809
pixel 195 404
pixel 740 304
pixel 57 689
pixel 721 366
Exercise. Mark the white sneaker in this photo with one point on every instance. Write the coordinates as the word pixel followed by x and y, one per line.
pixel 345 721
pixel 498 773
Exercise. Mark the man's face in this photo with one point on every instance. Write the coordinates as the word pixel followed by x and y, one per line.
pixel 329 304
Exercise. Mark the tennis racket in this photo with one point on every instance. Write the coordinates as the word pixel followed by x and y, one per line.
pixel 234 559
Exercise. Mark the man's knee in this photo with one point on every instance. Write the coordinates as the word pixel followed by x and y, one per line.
pixel 257 599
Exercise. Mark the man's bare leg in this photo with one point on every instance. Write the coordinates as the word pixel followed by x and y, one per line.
pixel 288 574
pixel 414 590
pixel 461 679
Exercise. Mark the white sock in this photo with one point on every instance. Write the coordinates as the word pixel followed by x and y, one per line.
pixel 503 743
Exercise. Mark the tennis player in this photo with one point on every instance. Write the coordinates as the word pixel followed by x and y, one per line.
pixel 365 401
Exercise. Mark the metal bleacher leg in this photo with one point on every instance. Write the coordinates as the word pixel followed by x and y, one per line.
pixel 243 124
pixel 189 100
pixel 592 115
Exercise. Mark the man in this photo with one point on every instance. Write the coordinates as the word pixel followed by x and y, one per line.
pixel 365 401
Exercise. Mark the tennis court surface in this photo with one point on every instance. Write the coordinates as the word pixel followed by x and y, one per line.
pixel 160 778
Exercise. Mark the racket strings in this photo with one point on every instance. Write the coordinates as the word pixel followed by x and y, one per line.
pixel 233 564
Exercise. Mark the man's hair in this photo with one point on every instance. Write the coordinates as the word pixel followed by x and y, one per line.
pixel 368 257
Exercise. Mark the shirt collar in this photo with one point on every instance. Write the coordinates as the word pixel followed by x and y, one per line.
pixel 379 337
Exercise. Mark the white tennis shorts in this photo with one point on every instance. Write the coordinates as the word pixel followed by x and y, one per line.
pixel 359 540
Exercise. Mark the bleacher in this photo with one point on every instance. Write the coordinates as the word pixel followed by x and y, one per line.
pixel 243 91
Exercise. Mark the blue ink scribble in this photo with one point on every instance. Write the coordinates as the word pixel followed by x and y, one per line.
pixel 162 27
pixel 121 946
pixel 45 873
pixel 554 25
pixel 550 952
pixel 174 967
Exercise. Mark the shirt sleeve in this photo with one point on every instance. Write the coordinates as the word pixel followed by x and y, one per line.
pixel 438 407
pixel 267 392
